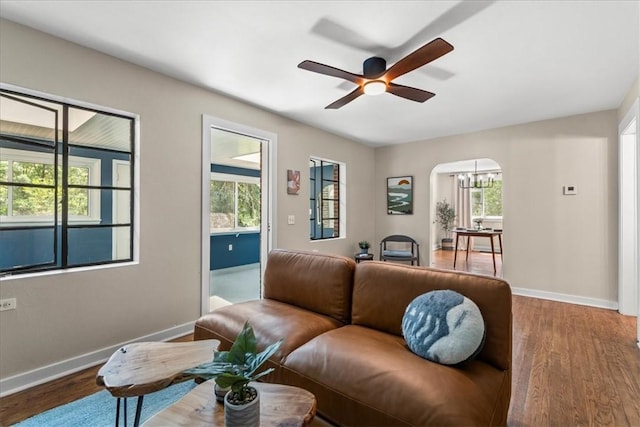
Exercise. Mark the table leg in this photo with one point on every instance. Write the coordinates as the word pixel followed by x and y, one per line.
pixel 455 253
pixel 136 421
pixel 500 241
pixel 493 254
pixel 468 244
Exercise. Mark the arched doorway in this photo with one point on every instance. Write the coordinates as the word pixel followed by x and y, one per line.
pixel 472 190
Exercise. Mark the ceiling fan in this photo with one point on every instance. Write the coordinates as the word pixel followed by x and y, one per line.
pixel 377 79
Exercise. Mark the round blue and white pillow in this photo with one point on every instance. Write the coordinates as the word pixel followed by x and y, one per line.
pixel 444 326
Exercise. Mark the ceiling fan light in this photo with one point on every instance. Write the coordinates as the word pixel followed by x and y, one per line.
pixel 375 87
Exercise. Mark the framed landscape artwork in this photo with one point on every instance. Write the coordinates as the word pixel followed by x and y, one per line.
pixel 400 195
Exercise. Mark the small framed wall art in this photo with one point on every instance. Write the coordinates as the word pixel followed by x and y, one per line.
pixel 400 195
pixel 293 182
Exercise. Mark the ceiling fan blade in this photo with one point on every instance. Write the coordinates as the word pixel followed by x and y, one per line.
pixel 411 93
pixel 328 70
pixel 427 53
pixel 345 99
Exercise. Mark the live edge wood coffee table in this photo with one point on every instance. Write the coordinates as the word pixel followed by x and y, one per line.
pixel 142 368
pixel 280 406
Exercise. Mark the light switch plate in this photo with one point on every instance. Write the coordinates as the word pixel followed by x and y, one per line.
pixel 291 219
pixel 569 190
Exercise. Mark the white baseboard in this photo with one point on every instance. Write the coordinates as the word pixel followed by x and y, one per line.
pixel 56 370
pixel 572 299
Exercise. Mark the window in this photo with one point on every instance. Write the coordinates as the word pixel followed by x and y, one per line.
pixel 487 202
pixel 326 188
pixel 30 205
pixel 235 203
pixel 63 201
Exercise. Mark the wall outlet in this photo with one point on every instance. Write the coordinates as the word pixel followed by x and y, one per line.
pixel 569 190
pixel 8 304
pixel 230 247
pixel 291 219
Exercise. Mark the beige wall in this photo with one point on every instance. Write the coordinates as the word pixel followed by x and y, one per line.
pixel 552 243
pixel 60 316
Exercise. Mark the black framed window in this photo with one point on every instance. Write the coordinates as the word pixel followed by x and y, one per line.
pixel 66 184
pixel 324 199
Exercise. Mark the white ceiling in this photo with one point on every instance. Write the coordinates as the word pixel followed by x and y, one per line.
pixel 514 61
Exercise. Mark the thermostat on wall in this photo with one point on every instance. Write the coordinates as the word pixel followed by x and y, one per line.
pixel 569 190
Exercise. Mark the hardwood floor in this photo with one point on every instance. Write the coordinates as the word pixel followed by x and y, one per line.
pixel 572 366
pixel 479 262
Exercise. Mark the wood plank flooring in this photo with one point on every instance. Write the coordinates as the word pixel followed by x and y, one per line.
pixel 479 262
pixel 572 366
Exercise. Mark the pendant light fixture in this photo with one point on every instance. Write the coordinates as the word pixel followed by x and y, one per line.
pixel 475 180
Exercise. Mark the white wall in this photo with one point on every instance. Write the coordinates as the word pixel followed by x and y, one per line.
pixel 62 316
pixel 566 245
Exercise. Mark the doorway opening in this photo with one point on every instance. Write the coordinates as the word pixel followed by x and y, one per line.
pixel 236 211
pixel 629 206
pixel 472 192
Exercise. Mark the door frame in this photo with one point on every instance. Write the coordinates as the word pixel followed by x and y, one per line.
pixel 628 208
pixel 268 195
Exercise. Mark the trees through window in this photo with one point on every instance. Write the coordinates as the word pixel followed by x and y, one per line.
pixel 487 202
pixel 235 203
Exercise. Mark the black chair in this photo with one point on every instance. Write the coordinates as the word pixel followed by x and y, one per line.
pixel 399 248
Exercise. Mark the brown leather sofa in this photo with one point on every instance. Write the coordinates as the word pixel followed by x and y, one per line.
pixel 343 341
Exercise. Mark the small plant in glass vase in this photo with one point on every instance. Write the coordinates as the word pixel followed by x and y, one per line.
pixel 478 223
pixel 364 246
pixel 233 370
pixel 445 215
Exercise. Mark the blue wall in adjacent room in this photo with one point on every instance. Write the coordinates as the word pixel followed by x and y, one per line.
pixel 246 245
pixel 246 249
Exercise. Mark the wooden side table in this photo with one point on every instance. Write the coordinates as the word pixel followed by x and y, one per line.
pixel 142 368
pixel 363 257
pixel 280 405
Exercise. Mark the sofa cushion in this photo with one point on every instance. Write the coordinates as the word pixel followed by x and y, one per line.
pixel 443 326
pixel 271 320
pixel 321 283
pixel 364 377
pixel 382 291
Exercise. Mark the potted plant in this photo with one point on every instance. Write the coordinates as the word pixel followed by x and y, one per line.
pixel 364 246
pixel 445 215
pixel 234 370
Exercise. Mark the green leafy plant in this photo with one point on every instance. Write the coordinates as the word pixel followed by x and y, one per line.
pixel 445 215
pixel 237 367
pixel 364 244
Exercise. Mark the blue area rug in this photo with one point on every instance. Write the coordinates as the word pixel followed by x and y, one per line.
pixel 99 409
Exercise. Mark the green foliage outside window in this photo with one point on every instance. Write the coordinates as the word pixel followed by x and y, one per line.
pixel 493 199
pixel 223 205
pixel 487 202
pixel 34 201
pixel 3 188
pixel 29 201
pixel 248 205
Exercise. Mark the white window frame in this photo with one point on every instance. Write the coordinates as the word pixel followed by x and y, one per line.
pixel 11 155
pixel 217 176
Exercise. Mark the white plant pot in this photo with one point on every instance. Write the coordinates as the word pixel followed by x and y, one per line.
pixel 247 415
